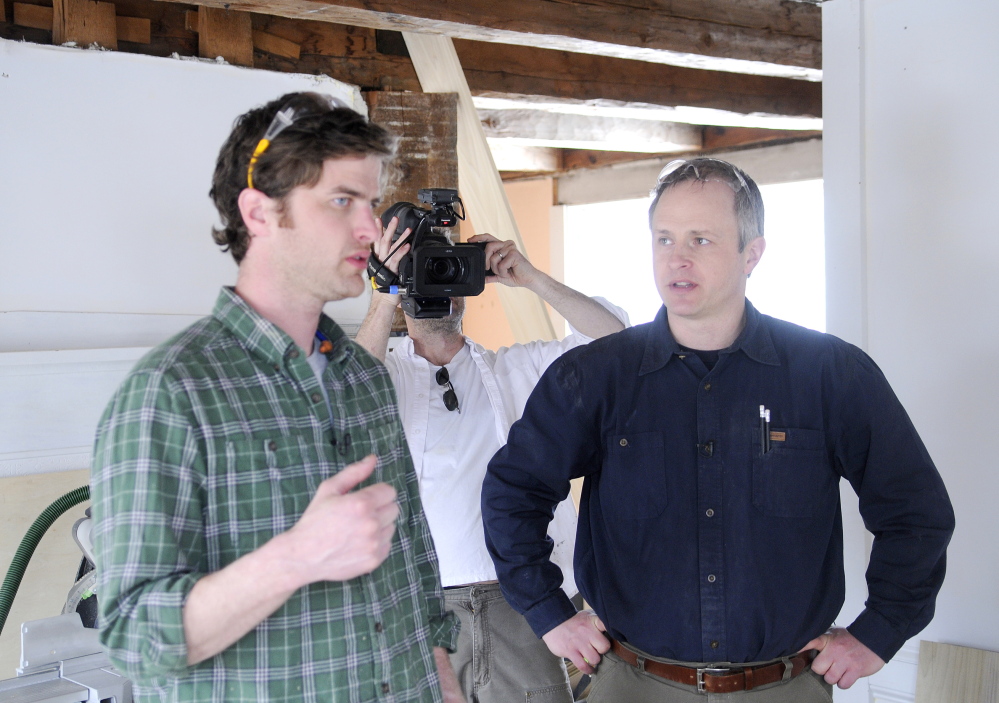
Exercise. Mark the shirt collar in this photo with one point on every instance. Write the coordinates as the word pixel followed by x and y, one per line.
pixel 406 348
pixel 265 339
pixel 754 341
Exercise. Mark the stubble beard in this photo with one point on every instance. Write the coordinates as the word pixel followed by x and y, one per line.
pixel 444 326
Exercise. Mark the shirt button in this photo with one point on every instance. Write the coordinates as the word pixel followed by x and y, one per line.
pixel 420 395
pixel 385 688
pixel 272 445
pixel 293 354
pixel 316 397
pixel 624 443
pixel 707 386
pixel 711 578
pixel 714 644
pixel 378 627
pixel 709 512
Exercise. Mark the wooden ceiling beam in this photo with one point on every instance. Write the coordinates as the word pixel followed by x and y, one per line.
pixel 352 54
pixel 741 137
pixel 715 139
pixel 765 37
pixel 521 70
pixel 561 130
pixel 643 111
pixel 520 159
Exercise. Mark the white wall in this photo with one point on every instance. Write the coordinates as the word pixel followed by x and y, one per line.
pixel 912 239
pixel 106 160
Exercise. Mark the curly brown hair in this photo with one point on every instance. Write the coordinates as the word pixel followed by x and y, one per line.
pixel 295 157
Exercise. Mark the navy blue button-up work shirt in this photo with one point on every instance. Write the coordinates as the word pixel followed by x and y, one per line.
pixel 695 544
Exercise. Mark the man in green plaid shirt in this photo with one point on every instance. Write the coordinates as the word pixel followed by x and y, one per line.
pixel 258 527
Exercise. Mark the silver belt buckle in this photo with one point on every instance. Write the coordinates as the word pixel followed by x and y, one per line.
pixel 714 671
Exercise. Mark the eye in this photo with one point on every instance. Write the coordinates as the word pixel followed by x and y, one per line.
pixel 701 241
pixel 342 201
pixel 665 241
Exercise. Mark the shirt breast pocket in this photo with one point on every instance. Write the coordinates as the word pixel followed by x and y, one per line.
pixel 259 489
pixel 633 477
pixel 795 477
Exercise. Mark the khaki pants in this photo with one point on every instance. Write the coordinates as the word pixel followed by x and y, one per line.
pixel 616 681
pixel 499 659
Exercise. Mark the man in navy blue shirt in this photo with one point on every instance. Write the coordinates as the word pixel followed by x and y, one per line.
pixel 712 441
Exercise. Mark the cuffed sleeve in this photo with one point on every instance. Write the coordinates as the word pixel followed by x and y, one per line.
pixel 147 514
pixel 903 503
pixel 526 479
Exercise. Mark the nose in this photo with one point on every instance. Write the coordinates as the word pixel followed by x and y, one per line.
pixel 678 258
pixel 365 229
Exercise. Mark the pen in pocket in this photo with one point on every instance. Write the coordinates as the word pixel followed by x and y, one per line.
pixel 763 430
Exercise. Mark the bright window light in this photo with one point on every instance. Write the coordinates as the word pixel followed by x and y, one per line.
pixel 790 280
pixel 608 253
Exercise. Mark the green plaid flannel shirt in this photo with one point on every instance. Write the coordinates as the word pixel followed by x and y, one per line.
pixel 214 444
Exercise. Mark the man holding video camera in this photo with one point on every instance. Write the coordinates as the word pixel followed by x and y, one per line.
pixel 457 401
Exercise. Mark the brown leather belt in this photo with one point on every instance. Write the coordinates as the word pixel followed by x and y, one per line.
pixel 717 679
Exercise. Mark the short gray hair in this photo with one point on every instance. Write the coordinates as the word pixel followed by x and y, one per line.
pixel 748 201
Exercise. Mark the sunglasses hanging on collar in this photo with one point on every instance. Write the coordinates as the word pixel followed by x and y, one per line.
pixel 450 397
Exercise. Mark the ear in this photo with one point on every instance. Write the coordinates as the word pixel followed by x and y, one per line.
pixel 255 208
pixel 754 252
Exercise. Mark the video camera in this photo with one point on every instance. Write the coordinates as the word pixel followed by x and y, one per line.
pixel 433 270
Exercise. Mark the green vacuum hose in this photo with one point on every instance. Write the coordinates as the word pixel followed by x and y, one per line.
pixel 30 541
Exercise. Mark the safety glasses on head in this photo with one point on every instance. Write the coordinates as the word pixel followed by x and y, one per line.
pixel 286 117
pixel 693 165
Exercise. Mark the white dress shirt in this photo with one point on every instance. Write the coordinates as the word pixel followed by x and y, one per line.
pixel 451 450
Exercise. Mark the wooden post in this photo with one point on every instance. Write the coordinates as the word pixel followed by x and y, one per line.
pixel 225 33
pixel 427 156
pixel 481 189
pixel 85 22
pixel 427 127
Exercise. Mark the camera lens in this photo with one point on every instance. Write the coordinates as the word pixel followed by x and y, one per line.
pixel 445 270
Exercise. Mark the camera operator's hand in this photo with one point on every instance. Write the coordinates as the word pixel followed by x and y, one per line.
pixel 509 266
pixel 383 246
pixel 374 332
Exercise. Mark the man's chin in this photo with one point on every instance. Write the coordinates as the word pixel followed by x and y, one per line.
pixel 349 288
pixel 449 324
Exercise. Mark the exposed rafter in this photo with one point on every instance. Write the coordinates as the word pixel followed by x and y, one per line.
pixel 643 111
pixel 762 37
pixel 547 105
pixel 567 131
pixel 522 70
